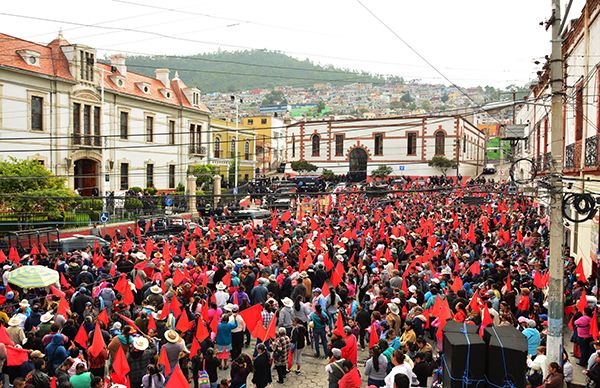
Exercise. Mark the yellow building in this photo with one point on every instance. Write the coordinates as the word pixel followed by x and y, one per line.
pixel 270 140
pixel 224 135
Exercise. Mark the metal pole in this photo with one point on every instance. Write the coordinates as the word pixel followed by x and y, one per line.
pixel 556 294
pixel 103 169
pixel 235 161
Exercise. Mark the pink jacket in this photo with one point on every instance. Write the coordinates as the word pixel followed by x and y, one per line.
pixel 583 327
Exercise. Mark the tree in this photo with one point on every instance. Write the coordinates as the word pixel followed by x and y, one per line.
pixel 426 105
pixel 204 173
pixel 328 175
pixel 303 165
pixel 442 163
pixel 275 97
pixel 382 171
pixel 407 98
pixel 320 107
pixel 445 98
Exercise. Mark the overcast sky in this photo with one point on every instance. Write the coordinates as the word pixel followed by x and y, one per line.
pixel 473 42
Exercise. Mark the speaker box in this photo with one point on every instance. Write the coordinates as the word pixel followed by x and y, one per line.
pixel 458 349
pixel 457 327
pixel 506 355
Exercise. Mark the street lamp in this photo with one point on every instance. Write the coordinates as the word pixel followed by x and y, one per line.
pixel 237 101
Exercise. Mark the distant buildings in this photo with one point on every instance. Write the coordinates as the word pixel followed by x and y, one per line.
pixel 222 154
pixel 103 127
pixel 270 141
pixel 358 147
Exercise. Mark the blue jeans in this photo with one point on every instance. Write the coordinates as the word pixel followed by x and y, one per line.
pixel 319 334
pixel 377 383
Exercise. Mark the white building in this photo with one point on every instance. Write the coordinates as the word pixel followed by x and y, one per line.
pixel 103 127
pixel 405 144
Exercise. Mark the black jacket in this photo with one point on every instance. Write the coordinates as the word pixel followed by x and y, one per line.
pixel 262 370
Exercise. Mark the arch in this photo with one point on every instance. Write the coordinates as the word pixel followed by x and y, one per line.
pixel 440 143
pixel 316 145
pixel 358 165
pixel 86 172
pixel 217 147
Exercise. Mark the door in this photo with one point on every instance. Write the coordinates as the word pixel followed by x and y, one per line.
pixel 358 165
pixel 86 177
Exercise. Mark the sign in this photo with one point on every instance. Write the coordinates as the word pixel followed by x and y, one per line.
pixel 169 201
pixel 514 132
pixel 104 217
pixel 511 189
pixel 120 199
pixel 401 168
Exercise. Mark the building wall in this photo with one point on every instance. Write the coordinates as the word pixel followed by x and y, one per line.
pixel 395 133
pixel 225 133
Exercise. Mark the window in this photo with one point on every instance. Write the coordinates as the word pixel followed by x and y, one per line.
pixel 464 143
pixel 124 176
pixel 246 176
pixel 247 150
pixel 293 146
pixel 411 143
pixel 198 138
pixel 316 145
pixel 339 145
pixel 579 113
pixel 217 147
pixel 124 124
pixel 149 129
pixel 250 121
pixel 171 176
pixel 76 122
pixel 378 144
pixel 37 113
pixel 192 138
pixel 97 138
pixel 87 66
pixel 232 148
pixel 263 121
pixel 87 124
pixel 440 143
pixel 149 175
pixel 171 132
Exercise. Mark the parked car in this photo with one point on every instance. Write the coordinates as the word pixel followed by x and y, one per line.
pixel 78 242
pixel 489 169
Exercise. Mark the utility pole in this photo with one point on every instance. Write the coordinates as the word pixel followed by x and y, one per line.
pixel 554 344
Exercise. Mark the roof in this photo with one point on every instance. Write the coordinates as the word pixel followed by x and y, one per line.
pixel 53 62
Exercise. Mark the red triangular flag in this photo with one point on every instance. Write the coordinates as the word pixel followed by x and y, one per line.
pixel 82 337
pixel 177 379
pixel 457 284
pixel 252 316
pixel 582 304
pixel 103 317
pixel 474 268
pixel 486 320
pixel 4 338
pixel 195 348
pixel 594 326
pixel 508 285
pixel 16 356
pixel 151 323
pixel 373 337
pixel 164 360
pixel 227 279
pixel 178 277
pixel 201 331
pixel 97 342
pixel 580 272
pixel 120 364
pixel 271 329
pixel 336 275
pixel 13 255
pixel 3 257
pixel 183 324
pixel 339 326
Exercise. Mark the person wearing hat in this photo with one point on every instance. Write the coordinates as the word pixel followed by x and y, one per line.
pixel 174 348
pixel 286 315
pixel 393 317
pixel 307 284
pixel 138 358
pixel 237 334
pixel 335 368
pixel 15 331
pixel 258 295
pixel 531 333
pixel 221 296
pixel 273 287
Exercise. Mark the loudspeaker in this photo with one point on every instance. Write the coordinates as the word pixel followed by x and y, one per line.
pixel 457 327
pixel 458 349
pixel 506 355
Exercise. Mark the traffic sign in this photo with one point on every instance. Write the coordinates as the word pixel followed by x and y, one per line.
pixel 401 168
pixel 168 201
pixel 104 217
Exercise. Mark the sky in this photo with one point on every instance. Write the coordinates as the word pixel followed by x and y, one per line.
pixel 471 42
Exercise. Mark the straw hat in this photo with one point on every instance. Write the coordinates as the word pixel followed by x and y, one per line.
pixel 37 354
pixel 24 303
pixel 14 321
pixel 393 308
pixel 287 302
pixel 155 289
pixel 172 336
pixel 141 343
pixel 46 317
pixel 303 274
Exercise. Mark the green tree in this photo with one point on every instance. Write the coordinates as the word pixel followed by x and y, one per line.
pixel 382 171
pixel 407 98
pixel 445 98
pixel 204 173
pixel 320 107
pixel 426 105
pixel 442 163
pixel 328 175
pixel 303 165
pixel 275 97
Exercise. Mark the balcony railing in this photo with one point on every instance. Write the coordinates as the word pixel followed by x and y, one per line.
pixel 591 151
pixel 197 150
pixel 570 156
pixel 547 161
pixel 86 140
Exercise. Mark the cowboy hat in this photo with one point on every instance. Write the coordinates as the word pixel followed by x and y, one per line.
pixel 36 354
pixel 24 303
pixel 272 278
pixel 228 307
pixel 140 343
pixel 393 308
pixel 303 274
pixel 172 336
pixel 341 251
pixel 221 286
pixel 287 302
pixel 344 240
pixel 46 317
pixel 14 321
pixel 155 289
pixel 412 300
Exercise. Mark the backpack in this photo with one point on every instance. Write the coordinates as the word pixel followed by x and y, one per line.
pixel 203 378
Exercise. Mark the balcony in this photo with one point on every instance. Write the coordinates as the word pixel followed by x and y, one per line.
pixel 570 156
pixel 93 141
pixel 591 151
pixel 197 150
pixel 547 163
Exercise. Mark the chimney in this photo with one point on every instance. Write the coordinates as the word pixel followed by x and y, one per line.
pixel 118 61
pixel 163 76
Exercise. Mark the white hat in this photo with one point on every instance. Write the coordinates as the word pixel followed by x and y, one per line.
pixel 394 308
pixel 171 336
pixel 46 317
pixel 395 300
pixel 274 247
pixel 14 321
pixel 287 302
pixel 412 288
pixel 393 237
pixel 412 300
pixel 344 239
pixel 303 274
pixel 435 280
pixel 228 307
pixel 221 286
pixel 140 343
pixel 341 251
pixel 446 271
pixel 24 303
pixel 155 289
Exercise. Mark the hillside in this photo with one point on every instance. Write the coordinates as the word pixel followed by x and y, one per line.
pixel 226 71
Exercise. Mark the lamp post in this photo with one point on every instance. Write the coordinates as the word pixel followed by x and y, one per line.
pixel 237 101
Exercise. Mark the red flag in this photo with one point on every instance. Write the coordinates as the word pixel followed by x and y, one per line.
pixel 4 338
pixel 409 248
pixel 177 379
pixel 164 361
pixel 373 337
pixel 252 316
pixel 103 317
pixel 97 342
pixel 508 285
pixel 201 331
pixel 594 326
pixel 120 364
pixel 183 324
pixel 63 281
pixel 457 284
pixel 538 280
pixel 178 277
pixel 351 379
pixel 3 257
pixel 580 272
pixel 151 323
pixel 285 217
pixel 271 329
pixel 486 320
pixel 63 307
pixel 82 337
pixel 336 275
pixel 138 283
pixel 227 279
pixel 13 255
pixel 175 306
pixel 582 304
pixel 57 292
pixel 327 261
pixel 339 326
pixel 130 322
pixel 16 356
pixel 474 268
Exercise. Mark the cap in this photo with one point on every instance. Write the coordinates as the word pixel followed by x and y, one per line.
pixel 337 353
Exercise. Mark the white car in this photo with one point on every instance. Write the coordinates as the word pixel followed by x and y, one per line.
pixel 489 169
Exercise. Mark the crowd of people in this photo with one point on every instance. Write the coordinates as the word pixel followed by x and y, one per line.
pixel 247 304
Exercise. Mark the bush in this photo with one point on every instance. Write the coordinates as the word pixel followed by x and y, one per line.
pixel 303 165
pixel 133 203
pixel 151 190
pixel 90 205
pixel 200 192
pixel 328 175
pixel 136 189
pixel 180 188
pixel 442 163
pixel 382 171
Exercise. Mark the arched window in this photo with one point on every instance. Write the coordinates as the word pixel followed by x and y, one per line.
pixel 316 145
pixel 247 150
pixel 440 143
pixel 232 148
pixel 217 147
